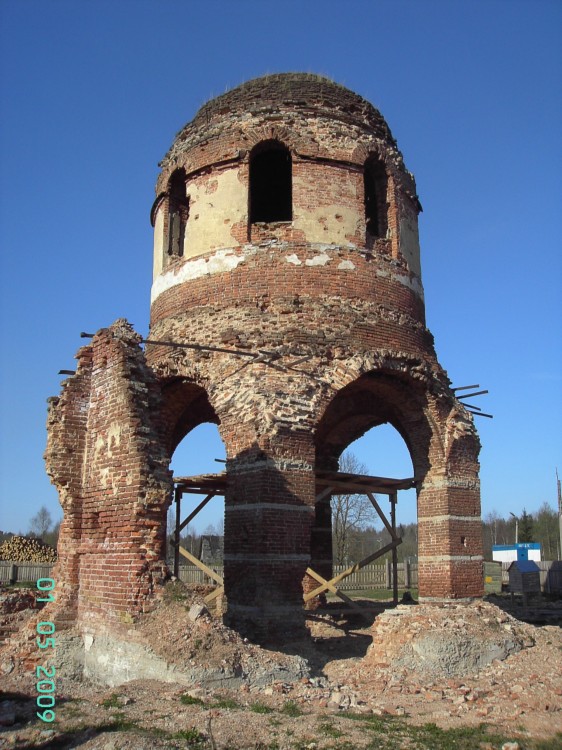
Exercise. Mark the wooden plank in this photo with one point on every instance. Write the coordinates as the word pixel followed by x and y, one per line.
pixel 202 566
pixel 393 500
pixel 214 594
pixel 201 505
pixel 177 497
pixel 321 495
pixel 382 516
pixel 335 591
pixel 348 486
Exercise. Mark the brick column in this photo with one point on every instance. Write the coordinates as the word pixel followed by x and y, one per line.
pixel 450 528
pixel 269 515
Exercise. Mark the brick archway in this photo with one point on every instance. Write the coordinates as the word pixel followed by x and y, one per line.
pixel 444 452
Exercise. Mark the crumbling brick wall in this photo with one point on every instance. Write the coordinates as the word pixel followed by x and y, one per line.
pixel 333 319
pixel 104 455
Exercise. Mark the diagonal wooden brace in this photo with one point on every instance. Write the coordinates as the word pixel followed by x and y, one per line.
pixel 354 568
pixel 211 573
pixel 219 591
pixel 328 585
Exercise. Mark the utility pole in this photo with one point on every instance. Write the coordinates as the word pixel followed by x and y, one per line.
pixel 516 526
pixel 559 511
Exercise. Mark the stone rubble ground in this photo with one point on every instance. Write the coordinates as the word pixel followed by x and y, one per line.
pixel 392 669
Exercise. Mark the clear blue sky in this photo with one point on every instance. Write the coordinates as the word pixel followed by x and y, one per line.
pixel 92 94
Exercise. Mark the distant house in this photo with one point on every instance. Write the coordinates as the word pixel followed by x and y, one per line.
pixel 211 550
pixel 520 551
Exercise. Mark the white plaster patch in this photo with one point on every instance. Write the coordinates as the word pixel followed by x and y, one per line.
pixel 346 265
pixel 220 262
pixel 412 283
pixel 318 260
pixel 293 259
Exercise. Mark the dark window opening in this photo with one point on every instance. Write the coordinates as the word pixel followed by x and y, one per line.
pixel 271 193
pixel 178 213
pixel 375 197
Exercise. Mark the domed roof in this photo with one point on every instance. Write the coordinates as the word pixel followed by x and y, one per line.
pixel 303 91
pixel 293 89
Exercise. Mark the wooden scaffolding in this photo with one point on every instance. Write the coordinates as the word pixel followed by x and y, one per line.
pixel 327 483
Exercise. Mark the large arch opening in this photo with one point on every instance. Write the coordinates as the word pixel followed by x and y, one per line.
pixel 443 450
pixel 374 427
pixel 195 520
pixel 382 452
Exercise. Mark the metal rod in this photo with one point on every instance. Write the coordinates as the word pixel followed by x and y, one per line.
pixel 466 387
pixel 67 372
pixel 203 347
pixel 481 414
pixel 471 406
pixel 86 335
pixel 200 347
pixel 476 393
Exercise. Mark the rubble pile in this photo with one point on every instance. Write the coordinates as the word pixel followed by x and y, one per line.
pixel 16 605
pixel 448 639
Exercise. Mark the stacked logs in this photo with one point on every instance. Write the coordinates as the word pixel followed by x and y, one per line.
pixel 27 549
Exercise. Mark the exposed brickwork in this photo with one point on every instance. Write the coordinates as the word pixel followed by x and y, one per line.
pixel 319 287
pixel 105 457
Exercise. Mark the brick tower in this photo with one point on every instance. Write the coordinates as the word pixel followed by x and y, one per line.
pixel 287 308
pixel 286 230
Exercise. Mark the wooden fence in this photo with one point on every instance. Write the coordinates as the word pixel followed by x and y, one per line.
pixel 23 572
pixel 369 577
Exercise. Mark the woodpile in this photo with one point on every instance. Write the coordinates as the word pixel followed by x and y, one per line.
pixel 27 549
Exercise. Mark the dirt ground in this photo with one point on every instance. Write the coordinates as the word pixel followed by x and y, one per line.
pixel 408 677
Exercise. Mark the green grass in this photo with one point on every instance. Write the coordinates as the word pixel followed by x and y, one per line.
pixel 260 708
pixel 330 730
pixel 192 736
pixel 291 709
pixel 189 700
pixel 225 703
pixel 554 743
pixel 390 733
pixel 112 701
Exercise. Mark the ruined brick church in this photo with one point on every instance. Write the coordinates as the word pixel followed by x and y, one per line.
pixel 287 308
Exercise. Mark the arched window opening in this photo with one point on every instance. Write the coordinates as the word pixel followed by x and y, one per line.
pixel 271 193
pixel 365 534
pixel 178 213
pixel 203 536
pixel 376 208
pixel 380 452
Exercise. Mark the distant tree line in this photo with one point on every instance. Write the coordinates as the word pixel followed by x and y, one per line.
pixel 41 527
pixel 354 529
